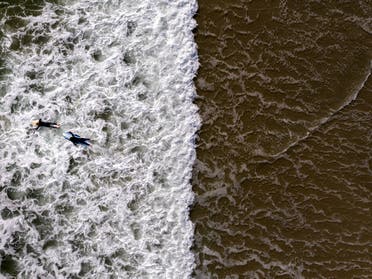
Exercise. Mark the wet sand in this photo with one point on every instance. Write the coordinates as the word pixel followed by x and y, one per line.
pixel 284 171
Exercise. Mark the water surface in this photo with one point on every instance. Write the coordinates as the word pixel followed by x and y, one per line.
pixel 284 172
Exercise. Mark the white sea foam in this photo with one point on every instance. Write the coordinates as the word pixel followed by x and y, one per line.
pixel 120 73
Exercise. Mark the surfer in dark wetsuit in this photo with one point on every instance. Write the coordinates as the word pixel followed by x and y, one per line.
pixel 76 139
pixel 39 123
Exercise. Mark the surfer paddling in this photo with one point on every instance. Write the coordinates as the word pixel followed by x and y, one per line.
pixel 76 139
pixel 39 123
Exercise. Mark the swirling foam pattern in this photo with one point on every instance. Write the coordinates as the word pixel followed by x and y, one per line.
pixel 284 171
pixel 120 73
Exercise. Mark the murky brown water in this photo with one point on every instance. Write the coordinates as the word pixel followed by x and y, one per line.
pixel 284 170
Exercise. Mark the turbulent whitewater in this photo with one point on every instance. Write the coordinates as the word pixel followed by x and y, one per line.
pixel 120 73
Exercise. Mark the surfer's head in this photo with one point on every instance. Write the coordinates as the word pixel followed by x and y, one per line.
pixel 35 123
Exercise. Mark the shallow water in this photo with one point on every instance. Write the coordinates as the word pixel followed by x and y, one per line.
pixel 283 174
pixel 121 74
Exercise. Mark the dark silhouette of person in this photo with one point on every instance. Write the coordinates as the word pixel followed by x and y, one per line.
pixel 76 139
pixel 40 123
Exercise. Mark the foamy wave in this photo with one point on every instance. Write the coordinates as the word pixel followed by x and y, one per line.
pixel 120 74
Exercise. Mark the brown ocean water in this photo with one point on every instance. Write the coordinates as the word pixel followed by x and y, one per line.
pixel 283 176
